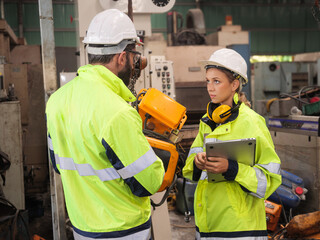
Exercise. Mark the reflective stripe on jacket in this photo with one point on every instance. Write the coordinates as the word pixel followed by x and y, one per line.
pixel 108 169
pixel 235 208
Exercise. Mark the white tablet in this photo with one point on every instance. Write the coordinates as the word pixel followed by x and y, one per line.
pixel 240 150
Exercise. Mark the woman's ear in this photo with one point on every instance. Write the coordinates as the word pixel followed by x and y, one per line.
pixel 235 84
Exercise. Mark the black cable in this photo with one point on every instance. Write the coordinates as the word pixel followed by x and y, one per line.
pixel 277 232
pixel 283 211
pixel 136 103
pixel 152 134
pixel 290 96
pixel 187 212
pixel 181 159
pixel 148 116
pixel 306 87
pixel 290 214
pixel 165 196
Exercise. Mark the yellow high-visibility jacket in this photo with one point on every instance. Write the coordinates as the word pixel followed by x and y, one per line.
pixel 107 166
pixel 235 207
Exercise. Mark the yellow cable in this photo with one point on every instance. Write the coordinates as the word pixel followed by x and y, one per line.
pixel 269 103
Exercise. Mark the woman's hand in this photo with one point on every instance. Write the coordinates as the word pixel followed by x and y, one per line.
pixel 217 164
pixel 200 160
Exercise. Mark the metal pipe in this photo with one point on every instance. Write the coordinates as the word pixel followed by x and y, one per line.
pixel 130 10
pixel 170 28
pixel 2 9
pixel 198 3
pixel 20 19
pixel 50 85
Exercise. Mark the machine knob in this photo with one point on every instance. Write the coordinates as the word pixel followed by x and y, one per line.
pixel 299 190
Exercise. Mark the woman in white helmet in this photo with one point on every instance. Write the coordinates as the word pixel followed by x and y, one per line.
pixel 107 167
pixel 234 207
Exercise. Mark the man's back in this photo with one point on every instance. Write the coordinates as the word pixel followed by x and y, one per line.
pixel 107 167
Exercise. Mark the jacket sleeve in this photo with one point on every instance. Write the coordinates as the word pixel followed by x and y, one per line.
pixel 131 155
pixel 190 170
pixel 264 177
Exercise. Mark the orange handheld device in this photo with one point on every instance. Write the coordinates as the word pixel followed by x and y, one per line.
pixel 162 119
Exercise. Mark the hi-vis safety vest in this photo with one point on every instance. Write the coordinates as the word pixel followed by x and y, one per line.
pixel 234 209
pixel 107 166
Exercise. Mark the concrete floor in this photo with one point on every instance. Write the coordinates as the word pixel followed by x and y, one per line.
pixel 181 230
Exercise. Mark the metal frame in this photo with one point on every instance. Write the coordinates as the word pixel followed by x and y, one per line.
pixel 50 85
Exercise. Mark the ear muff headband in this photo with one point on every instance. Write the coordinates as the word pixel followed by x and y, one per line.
pixel 221 113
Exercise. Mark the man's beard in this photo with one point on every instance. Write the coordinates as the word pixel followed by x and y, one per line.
pixel 125 74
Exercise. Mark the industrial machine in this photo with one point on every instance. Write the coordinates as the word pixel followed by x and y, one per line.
pixel 274 78
pixel 162 119
pixel 296 140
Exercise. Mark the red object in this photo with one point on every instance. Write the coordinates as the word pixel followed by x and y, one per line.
pixel 314 99
pixel 71 18
pixel 299 190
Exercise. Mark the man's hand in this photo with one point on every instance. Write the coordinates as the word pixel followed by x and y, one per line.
pixel 217 164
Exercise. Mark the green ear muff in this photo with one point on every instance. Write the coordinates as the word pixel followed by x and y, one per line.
pixel 221 113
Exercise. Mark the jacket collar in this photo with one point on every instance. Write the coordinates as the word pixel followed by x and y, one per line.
pixel 103 74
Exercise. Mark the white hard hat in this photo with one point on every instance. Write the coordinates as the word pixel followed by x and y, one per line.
pixel 112 29
pixel 229 59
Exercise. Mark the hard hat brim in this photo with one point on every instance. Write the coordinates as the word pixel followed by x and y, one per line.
pixel 112 49
pixel 205 63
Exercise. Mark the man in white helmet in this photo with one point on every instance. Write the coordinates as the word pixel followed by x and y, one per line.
pixel 107 166
pixel 233 207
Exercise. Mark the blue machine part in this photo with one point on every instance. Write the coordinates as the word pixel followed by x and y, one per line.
pixel 285 192
pixel 289 178
pixel 288 198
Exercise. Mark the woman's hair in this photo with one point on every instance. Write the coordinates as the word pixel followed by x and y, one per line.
pixel 243 98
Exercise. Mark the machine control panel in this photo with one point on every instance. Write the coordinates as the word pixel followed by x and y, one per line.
pixel 162 75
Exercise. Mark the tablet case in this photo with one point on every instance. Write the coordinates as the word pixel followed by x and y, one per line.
pixel 240 150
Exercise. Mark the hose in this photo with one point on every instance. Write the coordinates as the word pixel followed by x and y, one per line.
pixel 187 212
pixel 283 211
pixel 166 194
